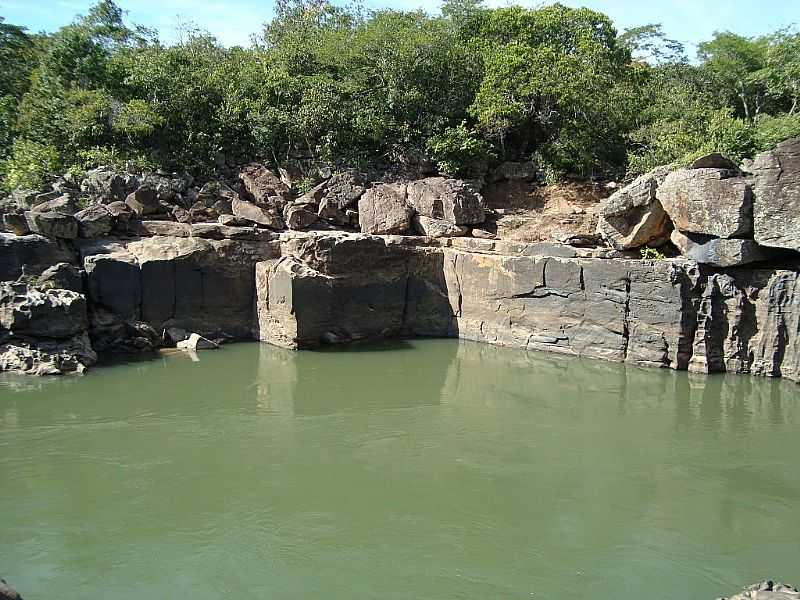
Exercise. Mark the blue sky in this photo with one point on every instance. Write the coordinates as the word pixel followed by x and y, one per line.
pixel 233 21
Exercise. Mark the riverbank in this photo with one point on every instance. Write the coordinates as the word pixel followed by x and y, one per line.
pixel 693 268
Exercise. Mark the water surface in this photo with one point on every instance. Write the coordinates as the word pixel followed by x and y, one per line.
pixel 409 470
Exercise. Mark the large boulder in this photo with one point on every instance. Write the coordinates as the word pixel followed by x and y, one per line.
pixel 262 186
pixel 144 201
pixel 719 252
pixel 217 196
pixel 383 210
pixel 94 221
pixel 633 216
pixel 777 196
pixel 263 214
pixel 52 224
pixel 61 276
pixel 64 204
pixel 299 216
pixel 32 312
pixel 344 189
pixel 714 202
pixel 451 200
pixel 105 185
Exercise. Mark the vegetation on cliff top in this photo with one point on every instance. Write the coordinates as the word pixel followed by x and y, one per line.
pixel 557 85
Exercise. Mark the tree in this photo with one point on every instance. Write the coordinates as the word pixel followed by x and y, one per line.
pixel 650 43
pixel 737 63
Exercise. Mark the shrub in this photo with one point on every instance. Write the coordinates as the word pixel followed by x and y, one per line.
pixel 30 165
pixel 769 130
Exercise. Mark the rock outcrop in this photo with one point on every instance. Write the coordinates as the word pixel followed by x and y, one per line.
pixel 767 590
pixel 777 190
pixel 715 202
pixel 633 217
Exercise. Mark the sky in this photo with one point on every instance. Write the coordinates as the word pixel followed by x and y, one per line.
pixel 234 21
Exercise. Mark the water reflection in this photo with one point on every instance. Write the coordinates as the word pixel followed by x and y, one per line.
pixel 412 469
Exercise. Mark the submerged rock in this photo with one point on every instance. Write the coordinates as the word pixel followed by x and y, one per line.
pixel 767 590
pixel 196 342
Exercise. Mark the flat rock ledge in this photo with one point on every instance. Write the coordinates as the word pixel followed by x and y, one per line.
pixel 302 289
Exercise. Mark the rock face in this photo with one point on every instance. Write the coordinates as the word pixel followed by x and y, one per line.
pixel 450 200
pixel 55 313
pixel 720 252
pixel 383 210
pixel 714 202
pixel 31 254
pixel 633 217
pixel 666 313
pixel 201 285
pixel 52 224
pixel 777 189
pixel 43 332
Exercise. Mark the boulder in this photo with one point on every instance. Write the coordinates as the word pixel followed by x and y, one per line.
pixel 144 201
pixel 196 342
pixel 344 189
pixel 169 188
pixel 438 228
pixel 106 185
pixel 314 195
pixel 47 356
pixel 16 223
pixel 262 186
pixel 38 313
pixel 30 255
pixel 168 228
pixel 514 170
pixel 232 221
pixel 777 196
pixel 448 199
pixel 383 210
pixel 94 221
pixel 218 196
pixel 52 224
pixel 63 204
pixel 767 590
pixel 7 592
pixel 299 216
pixel 483 234
pixel 330 212
pixel 633 216
pixel 269 216
pixel 719 252
pixel 714 202
pixel 62 276
pixel 714 160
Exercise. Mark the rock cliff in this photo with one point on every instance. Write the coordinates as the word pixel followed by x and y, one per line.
pixel 113 277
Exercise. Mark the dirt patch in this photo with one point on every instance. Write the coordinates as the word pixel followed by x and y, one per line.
pixel 528 212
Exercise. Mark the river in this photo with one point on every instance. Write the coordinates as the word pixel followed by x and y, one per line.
pixel 430 469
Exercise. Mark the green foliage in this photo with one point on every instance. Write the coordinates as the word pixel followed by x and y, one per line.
pixel 459 151
pixel 29 165
pixel 648 253
pixel 770 130
pixel 336 83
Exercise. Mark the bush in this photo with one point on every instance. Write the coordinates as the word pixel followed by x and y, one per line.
pixel 458 151
pixel 30 165
pixel 769 130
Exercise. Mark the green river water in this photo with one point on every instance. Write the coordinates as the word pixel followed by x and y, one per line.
pixel 431 469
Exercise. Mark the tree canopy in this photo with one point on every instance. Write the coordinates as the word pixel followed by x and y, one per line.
pixel 466 88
